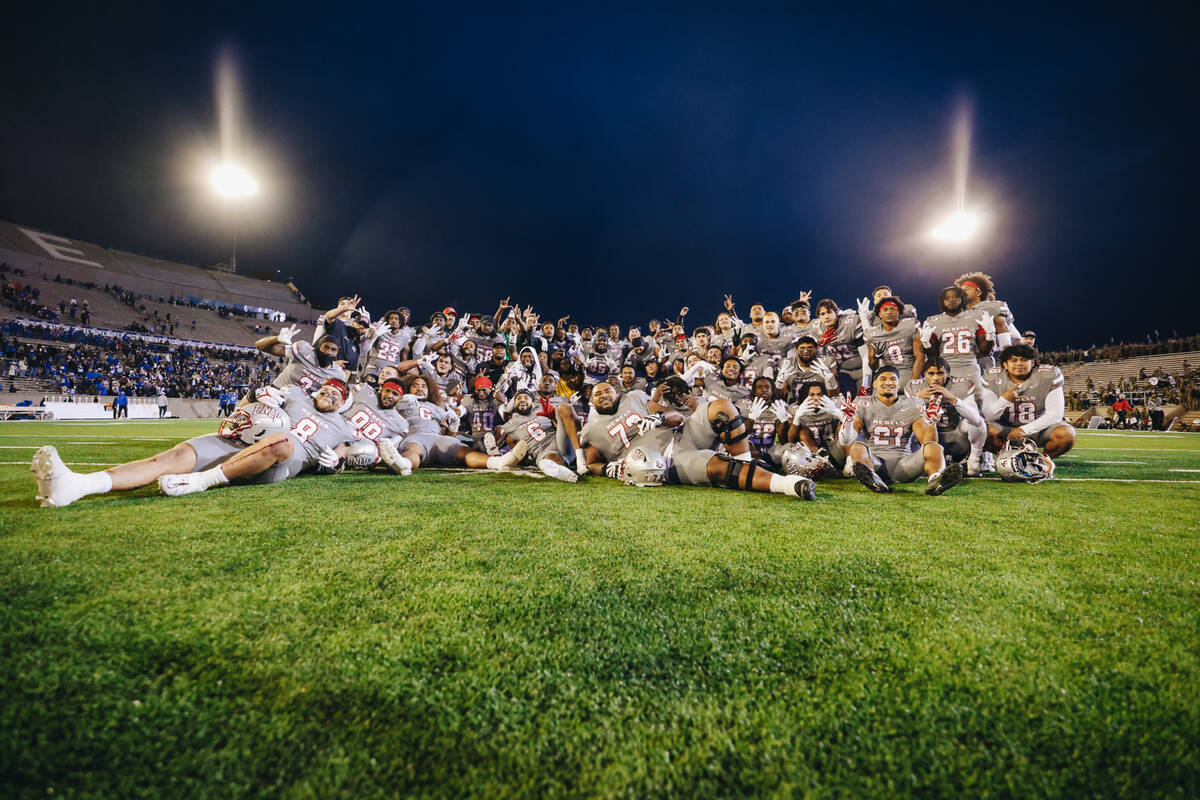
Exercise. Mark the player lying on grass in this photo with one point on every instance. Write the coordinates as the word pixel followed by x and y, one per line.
pixel 548 443
pixel 1024 400
pixel 313 440
pixel 876 430
pixel 650 433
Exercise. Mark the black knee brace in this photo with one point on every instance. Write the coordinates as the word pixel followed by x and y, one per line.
pixel 734 469
pixel 724 427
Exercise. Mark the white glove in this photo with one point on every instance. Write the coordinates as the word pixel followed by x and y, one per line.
pixel 926 332
pixel 286 334
pixel 328 459
pixel 826 402
pixel 428 360
pixel 452 420
pixel 614 469
pixel 779 409
pixel 363 311
pixel 786 370
pixel 269 396
pixel 804 409
pixel 580 463
pixel 649 423
pixel 378 329
pixel 989 326
pixel 757 408
pixel 821 368
pixel 864 312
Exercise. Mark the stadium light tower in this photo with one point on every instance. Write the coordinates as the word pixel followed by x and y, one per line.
pixel 233 183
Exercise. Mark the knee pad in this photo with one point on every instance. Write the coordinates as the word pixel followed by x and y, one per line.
pixel 724 426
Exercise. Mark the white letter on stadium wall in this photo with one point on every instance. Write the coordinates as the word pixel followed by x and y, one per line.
pixel 57 250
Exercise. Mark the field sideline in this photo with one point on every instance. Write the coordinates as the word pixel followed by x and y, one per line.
pixel 476 635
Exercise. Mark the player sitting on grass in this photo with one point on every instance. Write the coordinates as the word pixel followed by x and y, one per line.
pixel 1024 400
pixel 885 422
pixel 312 433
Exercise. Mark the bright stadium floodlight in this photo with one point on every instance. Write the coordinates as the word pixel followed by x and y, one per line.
pixel 958 228
pixel 230 180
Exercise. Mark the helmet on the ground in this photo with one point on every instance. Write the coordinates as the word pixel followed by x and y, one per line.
pixel 252 422
pixel 363 454
pixel 799 460
pixel 1023 463
pixel 644 466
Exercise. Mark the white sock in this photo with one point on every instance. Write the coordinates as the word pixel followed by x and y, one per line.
pixel 96 482
pixel 555 470
pixel 495 462
pixel 743 457
pixel 212 477
pixel 781 484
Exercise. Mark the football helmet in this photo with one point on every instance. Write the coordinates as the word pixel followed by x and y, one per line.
pixel 1023 463
pixel 363 454
pixel 644 466
pixel 252 422
pixel 799 460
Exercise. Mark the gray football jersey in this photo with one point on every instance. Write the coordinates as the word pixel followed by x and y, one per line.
pixel 482 415
pixel 422 415
pixel 1030 402
pixel 611 434
pixel 894 347
pixel 388 349
pixel 948 416
pixel 803 375
pixel 372 422
pixel 954 339
pixel 315 429
pixel 762 364
pixel 764 431
pixel 780 346
pixel 714 387
pixel 888 428
pixel 842 345
pixel 821 424
pixel 996 308
pixel 533 428
pixel 303 370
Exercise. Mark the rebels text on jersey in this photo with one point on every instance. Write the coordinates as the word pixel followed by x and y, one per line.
pixel 315 430
pixel 1030 401
pixel 611 434
pixel 303 370
pixel 888 428
pixel 372 422
pixel 894 347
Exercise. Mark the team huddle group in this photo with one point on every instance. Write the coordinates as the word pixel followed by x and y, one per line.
pixel 774 403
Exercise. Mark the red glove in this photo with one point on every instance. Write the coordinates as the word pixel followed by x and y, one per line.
pixel 547 408
pixel 849 408
pixel 827 337
pixel 933 409
pixel 864 391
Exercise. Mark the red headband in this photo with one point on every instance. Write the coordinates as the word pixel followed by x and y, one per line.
pixel 394 383
pixel 339 385
pixel 972 284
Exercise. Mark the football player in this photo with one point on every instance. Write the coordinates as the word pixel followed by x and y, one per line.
pixel 804 367
pixel 425 443
pixel 756 363
pixel 546 445
pixel 389 342
pixel 1023 399
pixel 768 417
pixel 726 383
pixel 875 432
pixel 878 295
pixel 316 434
pixel 895 339
pixel 950 405
pixel 373 414
pixel 959 338
pixel 635 423
pixel 815 423
pixel 482 409
pixel 306 366
pixel 774 342
pixel 981 296
pixel 838 338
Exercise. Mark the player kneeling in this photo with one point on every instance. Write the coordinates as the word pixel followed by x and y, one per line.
pixel 887 421
pixel 634 426
pixel 1023 402
pixel 278 437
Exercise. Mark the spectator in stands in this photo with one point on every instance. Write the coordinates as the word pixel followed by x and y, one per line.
pixel 1121 408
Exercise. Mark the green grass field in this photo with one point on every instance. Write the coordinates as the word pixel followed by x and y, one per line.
pixel 476 635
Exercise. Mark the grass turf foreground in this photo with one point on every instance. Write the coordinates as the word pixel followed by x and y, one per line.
pixel 473 635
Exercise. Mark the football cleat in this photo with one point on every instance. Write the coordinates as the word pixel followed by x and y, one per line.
pixel 945 480
pixel 974 466
pixel 515 455
pixel 176 485
pixel 870 479
pixel 489 444
pixel 389 455
pixel 57 485
pixel 989 463
pixel 804 488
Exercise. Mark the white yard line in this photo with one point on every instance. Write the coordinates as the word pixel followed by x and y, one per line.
pixel 1142 463
pixel 79 463
pixel 1183 470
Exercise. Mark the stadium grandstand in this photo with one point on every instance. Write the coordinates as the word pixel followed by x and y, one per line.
pixel 88 322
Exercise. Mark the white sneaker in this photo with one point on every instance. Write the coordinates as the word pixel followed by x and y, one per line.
pixel 558 471
pixel 389 455
pixel 175 485
pixel 58 486
pixel 989 463
pixel 489 444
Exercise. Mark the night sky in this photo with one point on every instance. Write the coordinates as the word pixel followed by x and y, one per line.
pixel 619 164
